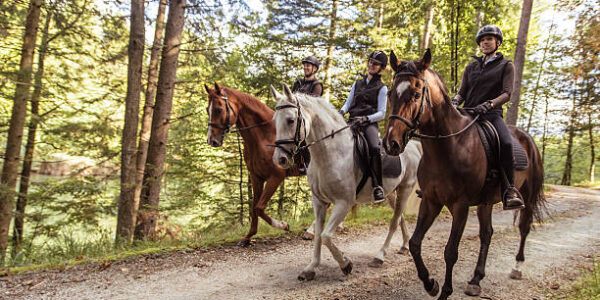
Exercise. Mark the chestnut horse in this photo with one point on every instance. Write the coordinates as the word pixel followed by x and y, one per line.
pixel 453 170
pixel 253 119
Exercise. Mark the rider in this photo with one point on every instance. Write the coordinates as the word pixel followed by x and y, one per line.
pixel 486 85
pixel 310 85
pixel 367 104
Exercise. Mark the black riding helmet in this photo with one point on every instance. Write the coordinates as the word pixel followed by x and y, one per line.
pixel 379 57
pixel 311 60
pixel 489 30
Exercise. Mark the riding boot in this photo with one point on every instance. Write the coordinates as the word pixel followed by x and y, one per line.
pixel 376 177
pixel 511 198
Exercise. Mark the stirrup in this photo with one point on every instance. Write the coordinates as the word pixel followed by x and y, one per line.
pixel 375 189
pixel 517 195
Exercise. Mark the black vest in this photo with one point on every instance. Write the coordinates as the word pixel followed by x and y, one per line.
pixel 485 81
pixel 364 102
pixel 307 87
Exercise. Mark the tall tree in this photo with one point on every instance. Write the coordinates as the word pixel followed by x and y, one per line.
pixel 142 152
pixel 160 120
pixel 330 46
pixel 12 155
pixel 566 177
pixel 428 25
pixel 513 110
pixel 31 135
pixel 127 202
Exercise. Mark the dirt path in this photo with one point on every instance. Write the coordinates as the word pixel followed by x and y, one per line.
pixel 554 255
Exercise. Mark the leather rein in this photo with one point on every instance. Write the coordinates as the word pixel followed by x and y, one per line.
pixel 413 124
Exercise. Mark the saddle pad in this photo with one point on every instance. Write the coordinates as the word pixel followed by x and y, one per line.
pixel 489 140
pixel 392 165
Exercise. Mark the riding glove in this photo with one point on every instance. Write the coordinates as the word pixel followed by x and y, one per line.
pixel 360 120
pixel 483 108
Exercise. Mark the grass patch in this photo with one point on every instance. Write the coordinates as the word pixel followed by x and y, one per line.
pixel 68 250
pixel 589 285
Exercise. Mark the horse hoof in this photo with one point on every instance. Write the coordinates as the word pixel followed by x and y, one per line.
pixel 403 251
pixel 435 289
pixel 473 290
pixel 376 263
pixel 244 243
pixel 307 236
pixel 516 274
pixel 347 269
pixel 306 275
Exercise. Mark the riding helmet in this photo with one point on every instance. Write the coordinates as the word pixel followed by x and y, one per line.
pixel 379 57
pixel 311 60
pixel 489 30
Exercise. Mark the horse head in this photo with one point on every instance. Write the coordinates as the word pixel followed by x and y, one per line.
pixel 408 99
pixel 291 125
pixel 222 112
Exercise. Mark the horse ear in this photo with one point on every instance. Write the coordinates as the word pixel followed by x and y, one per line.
pixel 207 88
pixel 426 60
pixel 217 88
pixel 288 92
pixel 276 95
pixel 394 61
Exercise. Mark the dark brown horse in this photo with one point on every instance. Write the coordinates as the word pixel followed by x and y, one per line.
pixel 253 119
pixel 453 169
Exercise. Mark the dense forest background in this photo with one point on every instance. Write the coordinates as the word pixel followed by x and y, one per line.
pixel 71 84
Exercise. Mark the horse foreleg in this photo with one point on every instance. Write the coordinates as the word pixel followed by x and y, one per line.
pixel 309 234
pixel 525 220
pixel 257 189
pixel 320 209
pixel 379 258
pixel 460 215
pixel 427 214
pixel 484 214
pixel 340 210
pixel 270 188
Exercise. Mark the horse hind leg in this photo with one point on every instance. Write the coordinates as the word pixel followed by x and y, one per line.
pixel 525 220
pixel 340 210
pixel 484 214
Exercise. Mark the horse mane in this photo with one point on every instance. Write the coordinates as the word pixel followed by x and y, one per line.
pixel 411 66
pixel 325 106
pixel 251 102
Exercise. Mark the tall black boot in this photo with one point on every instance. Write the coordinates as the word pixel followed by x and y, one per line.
pixel 511 198
pixel 376 177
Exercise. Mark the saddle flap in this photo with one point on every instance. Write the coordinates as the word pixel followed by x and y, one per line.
pixel 489 140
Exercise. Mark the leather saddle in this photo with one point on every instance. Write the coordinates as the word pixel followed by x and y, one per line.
pixel 491 145
pixel 391 165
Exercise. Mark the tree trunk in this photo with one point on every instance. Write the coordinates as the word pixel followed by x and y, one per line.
pixel 30 147
pixel 513 110
pixel 592 150
pixel 157 148
pixel 330 48
pixel 544 139
pixel 142 152
pixel 428 24
pixel 127 204
pixel 10 169
pixel 380 15
pixel 566 179
pixel 537 81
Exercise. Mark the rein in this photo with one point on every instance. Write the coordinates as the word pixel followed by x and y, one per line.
pixel 229 109
pixel 413 125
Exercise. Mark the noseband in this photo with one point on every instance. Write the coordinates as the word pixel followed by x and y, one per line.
pixel 228 109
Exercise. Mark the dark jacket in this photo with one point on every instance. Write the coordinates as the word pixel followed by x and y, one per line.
pixel 309 87
pixel 492 81
pixel 365 96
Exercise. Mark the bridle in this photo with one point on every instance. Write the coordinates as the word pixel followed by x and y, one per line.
pixel 413 124
pixel 229 111
pixel 298 141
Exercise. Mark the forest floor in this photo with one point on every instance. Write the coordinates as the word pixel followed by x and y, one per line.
pixel 556 254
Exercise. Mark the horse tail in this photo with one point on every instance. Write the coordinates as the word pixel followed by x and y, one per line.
pixel 536 198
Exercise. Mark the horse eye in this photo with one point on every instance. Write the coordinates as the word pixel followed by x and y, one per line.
pixel 290 121
pixel 218 111
pixel 417 95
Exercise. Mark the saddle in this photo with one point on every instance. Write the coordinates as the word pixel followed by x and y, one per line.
pixel 391 165
pixel 491 145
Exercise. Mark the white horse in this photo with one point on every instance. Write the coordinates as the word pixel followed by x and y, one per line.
pixel 333 173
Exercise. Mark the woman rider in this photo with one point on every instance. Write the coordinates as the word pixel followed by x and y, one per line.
pixel 486 85
pixel 367 104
